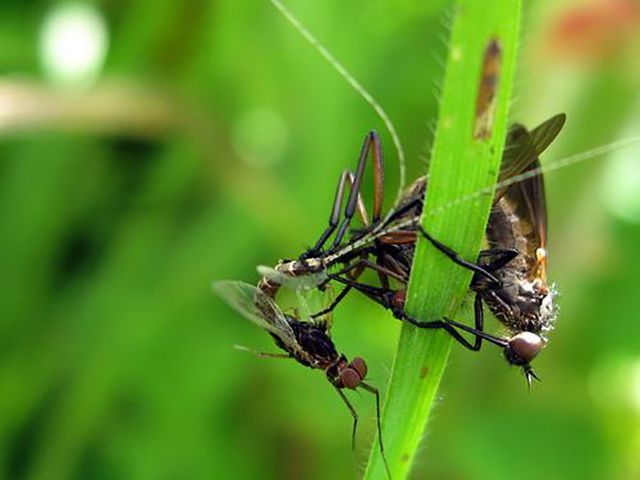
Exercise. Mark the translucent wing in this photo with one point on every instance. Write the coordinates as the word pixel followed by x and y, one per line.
pixel 523 147
pixel 543 135
pixel 312 302
pixel 526 224
pixel 254 305
pixel 300 282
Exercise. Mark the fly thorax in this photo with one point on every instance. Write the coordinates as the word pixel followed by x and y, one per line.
pixel 333 370
pixel 316 343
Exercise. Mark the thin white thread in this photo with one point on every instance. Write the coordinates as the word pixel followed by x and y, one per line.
pixel 355 85
pixel 558 164
pixel 562 163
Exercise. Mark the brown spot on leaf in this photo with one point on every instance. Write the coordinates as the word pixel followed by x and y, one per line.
pixel 424 371
pixel 487 91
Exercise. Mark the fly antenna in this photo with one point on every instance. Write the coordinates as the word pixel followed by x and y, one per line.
pixel 257 353
pixel 357 86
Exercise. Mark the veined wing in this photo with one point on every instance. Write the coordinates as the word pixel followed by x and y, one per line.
pixel 544 134
pixel 254 305
pixel 312 302
pixel 528 202
pixel 523 147
pixel 311 299
pixel 520 156
pixel 519 217
pixel 294 282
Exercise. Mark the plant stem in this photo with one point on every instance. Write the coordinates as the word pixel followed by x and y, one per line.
pixel 466 158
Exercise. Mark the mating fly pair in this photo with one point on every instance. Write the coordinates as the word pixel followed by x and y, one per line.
pixel 509 276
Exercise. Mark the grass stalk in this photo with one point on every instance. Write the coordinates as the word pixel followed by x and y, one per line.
pixel 466 158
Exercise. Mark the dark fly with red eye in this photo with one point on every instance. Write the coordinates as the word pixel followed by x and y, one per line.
pixel 509 276
pixel 308 342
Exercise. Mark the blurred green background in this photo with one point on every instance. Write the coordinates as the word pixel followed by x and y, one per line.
pixel 150 147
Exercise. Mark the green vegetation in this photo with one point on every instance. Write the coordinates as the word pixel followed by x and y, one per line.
pixel 210 141
pixel 461 164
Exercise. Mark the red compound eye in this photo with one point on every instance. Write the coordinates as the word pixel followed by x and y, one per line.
pixel 360 366
pixel 350 378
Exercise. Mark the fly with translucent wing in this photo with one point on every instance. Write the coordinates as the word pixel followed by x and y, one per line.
pixel 509 276
pixel 308 342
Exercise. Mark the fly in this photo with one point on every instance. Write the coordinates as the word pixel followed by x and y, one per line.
pixel 307 342
pixel 509 276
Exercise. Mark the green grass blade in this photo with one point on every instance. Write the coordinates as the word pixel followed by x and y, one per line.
pixel 463 162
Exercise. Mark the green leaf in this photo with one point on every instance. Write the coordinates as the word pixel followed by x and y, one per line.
pixel 466 158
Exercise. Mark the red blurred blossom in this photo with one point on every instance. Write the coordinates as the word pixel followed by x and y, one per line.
pixel 595 30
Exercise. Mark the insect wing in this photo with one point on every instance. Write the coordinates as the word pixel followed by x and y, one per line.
pixel 299 282
pixel 529 198
pixel 254 305
pixel 523 147
pixel 311 302
pixel 543 135
pixel 519 152
pixel 520 156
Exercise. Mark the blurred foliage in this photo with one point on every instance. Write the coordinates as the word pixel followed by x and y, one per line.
pixel 210 142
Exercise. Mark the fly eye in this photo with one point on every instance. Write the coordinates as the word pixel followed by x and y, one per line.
pixel 350 378
pixel 360 366
pixel 526 345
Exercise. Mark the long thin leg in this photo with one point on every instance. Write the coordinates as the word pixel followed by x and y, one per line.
pixel 378 177
pixel 354 414
pixel 383 273
pixel 485 336
pixel 376 392
pixel 333 304
pixel 353 271
pixel 370 139
pixel 478 313
pixel 496 258
pixel 381 296
pixel 458 259
pixel 346 179
pixel 375 293
pixel 439 324
pixel 402 210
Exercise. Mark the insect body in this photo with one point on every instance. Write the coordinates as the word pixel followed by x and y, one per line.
pixel 308 342
pixel 510 275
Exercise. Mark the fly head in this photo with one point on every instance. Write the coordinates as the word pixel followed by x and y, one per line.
pixel 345 374
pixel 521 349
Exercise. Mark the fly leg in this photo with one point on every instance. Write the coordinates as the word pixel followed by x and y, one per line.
pixel 334 303
pixel 385 298
pixel 492 260
pixel 353 272
pixel 497 258
pixel 456 258
pixel 346 179
pixel 452 327
pixel 371 142
pixel 354 415
pixel 374 390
